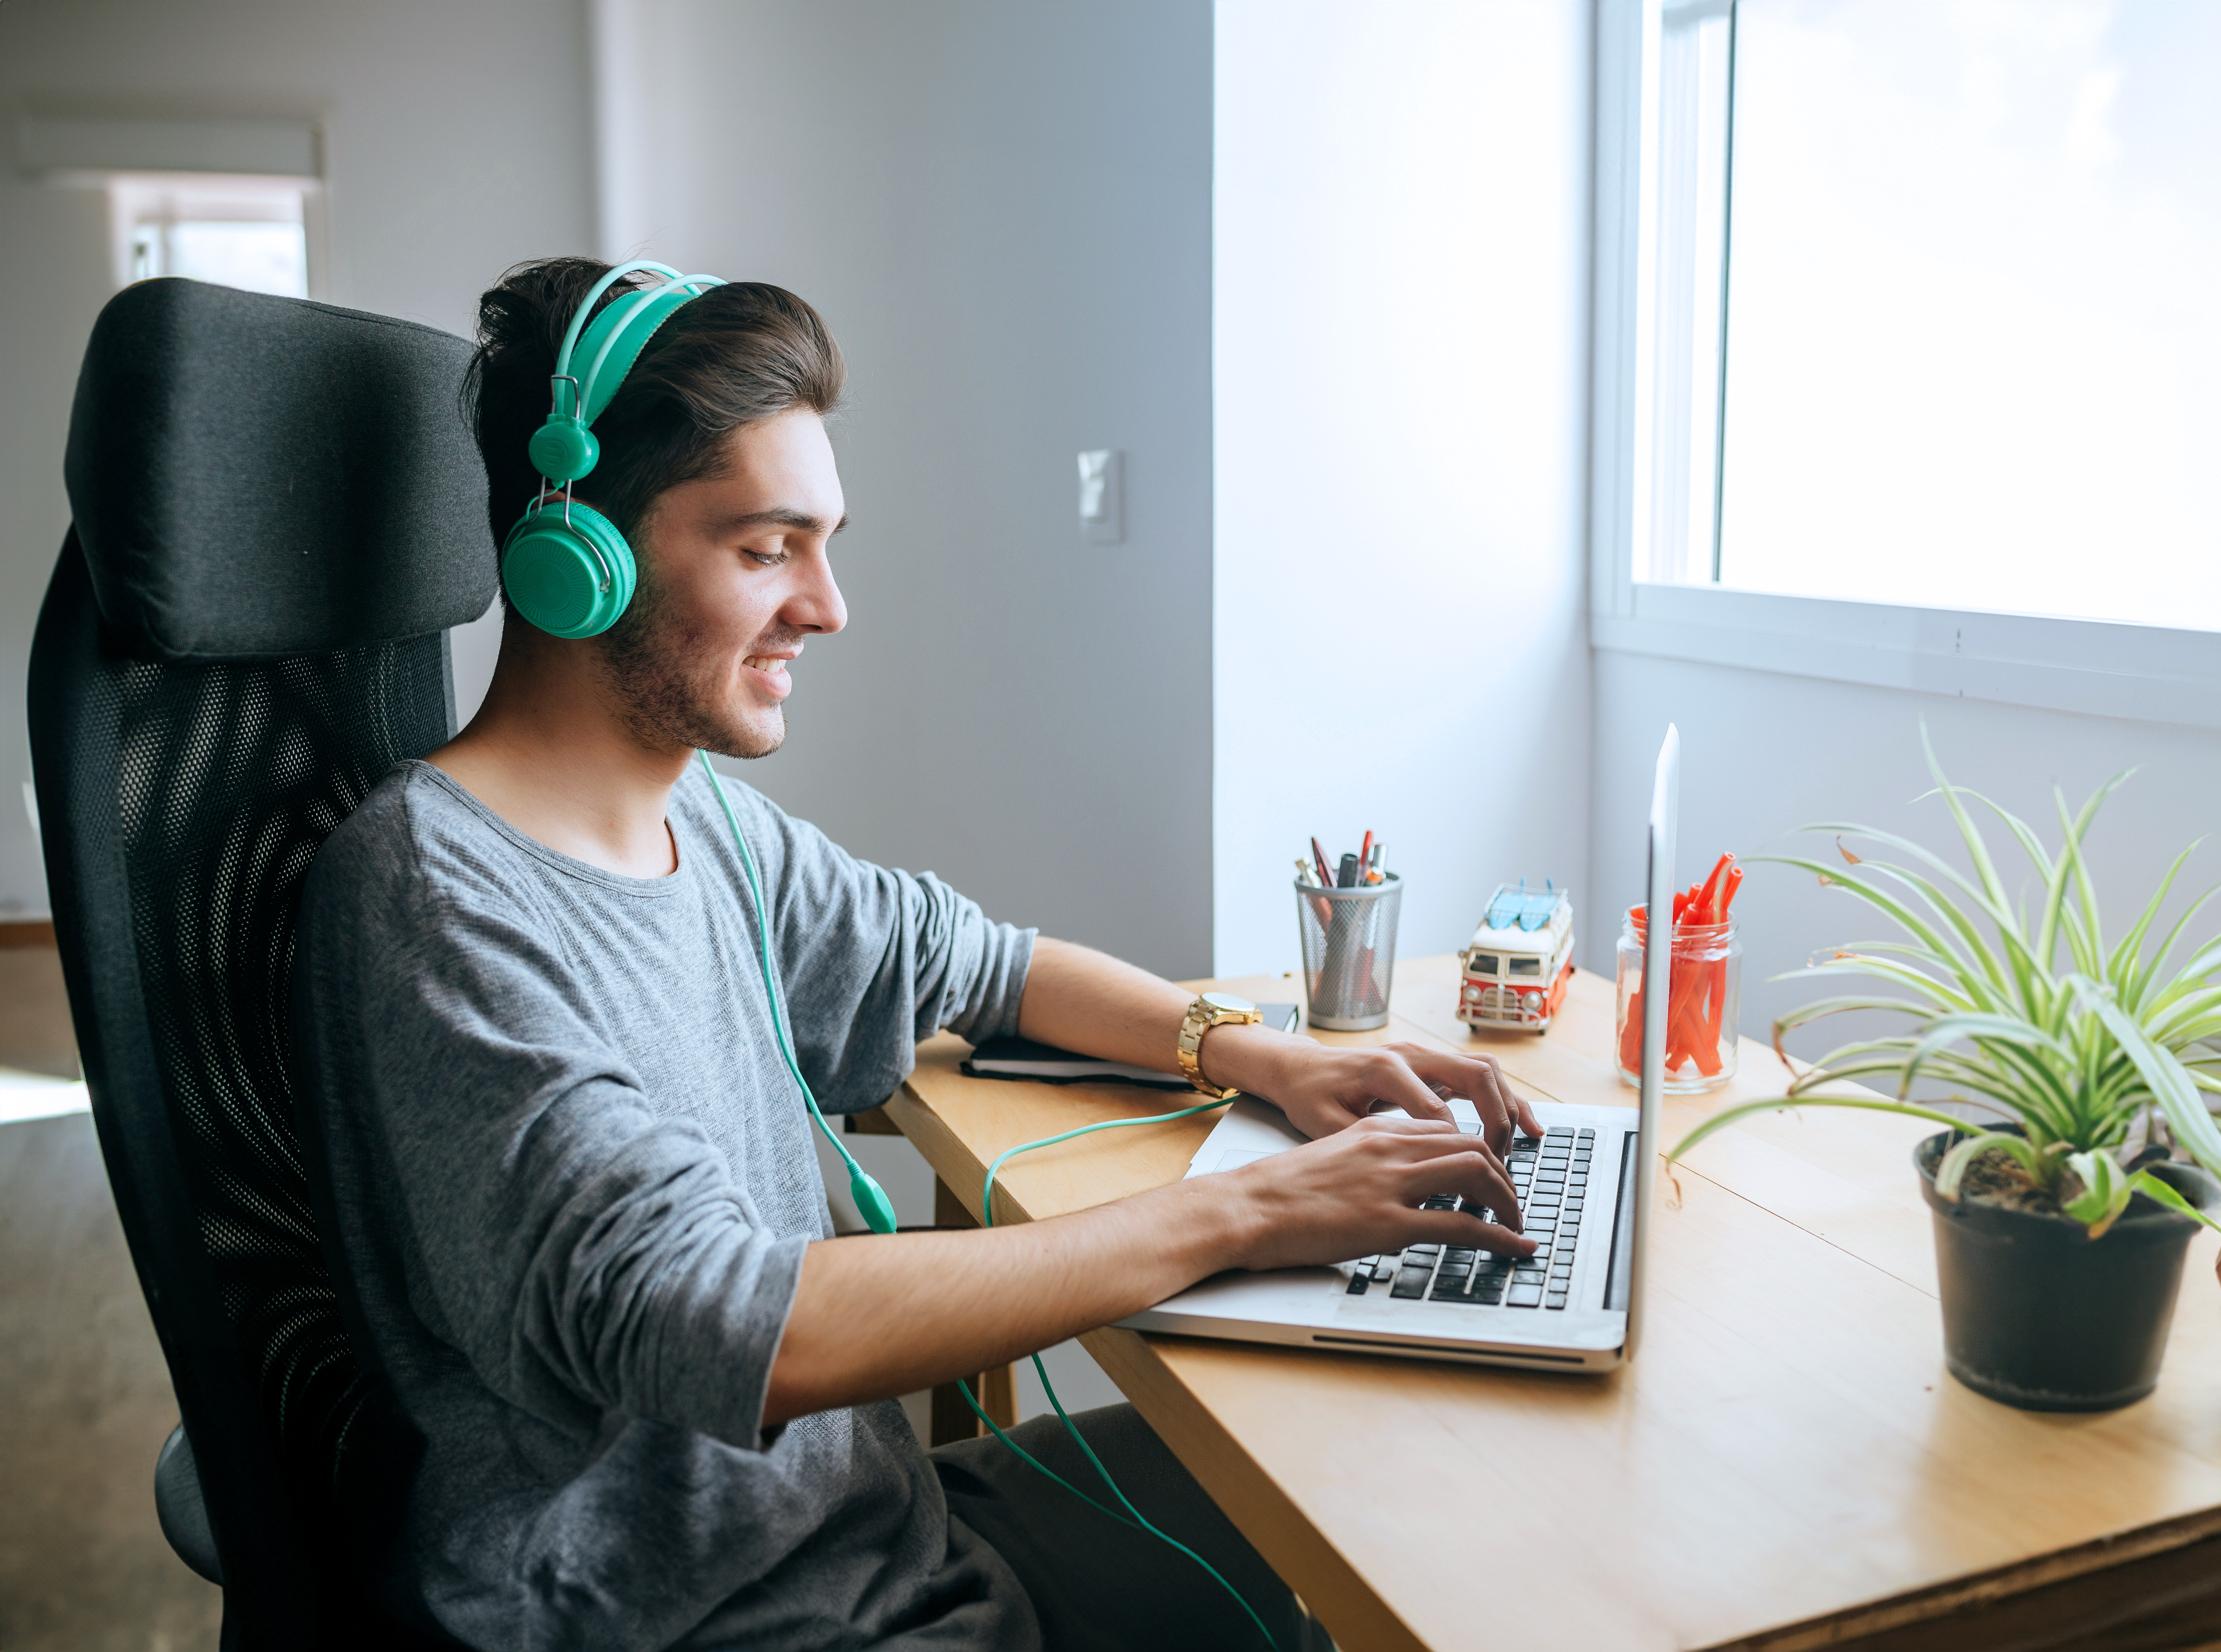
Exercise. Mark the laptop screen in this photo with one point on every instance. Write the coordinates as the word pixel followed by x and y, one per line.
pixel 1631 1218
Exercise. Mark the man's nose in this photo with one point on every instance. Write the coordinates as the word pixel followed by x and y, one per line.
pixel 816 604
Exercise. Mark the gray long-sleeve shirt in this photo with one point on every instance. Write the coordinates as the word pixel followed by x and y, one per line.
pixel 574 1183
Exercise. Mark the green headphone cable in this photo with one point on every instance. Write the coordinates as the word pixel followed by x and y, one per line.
pixel 879 1213
pixel 870 1198
pixel 988 1210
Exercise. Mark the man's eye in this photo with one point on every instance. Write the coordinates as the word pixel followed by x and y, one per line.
pixel 764 559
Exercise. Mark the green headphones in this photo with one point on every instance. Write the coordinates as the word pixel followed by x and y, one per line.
pixel 565 567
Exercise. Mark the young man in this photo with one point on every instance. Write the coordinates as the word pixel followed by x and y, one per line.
pixel 576 1194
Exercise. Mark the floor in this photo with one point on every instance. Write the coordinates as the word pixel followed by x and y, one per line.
pixel 84 1398
pixel 34 1023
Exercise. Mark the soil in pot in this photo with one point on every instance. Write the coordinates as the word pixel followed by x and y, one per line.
pixel 2036 1312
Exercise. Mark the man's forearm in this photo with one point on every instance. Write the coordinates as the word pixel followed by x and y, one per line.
pixel 878 1317
pixel 1080 999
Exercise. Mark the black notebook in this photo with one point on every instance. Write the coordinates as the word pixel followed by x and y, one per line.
pixel 1021 1057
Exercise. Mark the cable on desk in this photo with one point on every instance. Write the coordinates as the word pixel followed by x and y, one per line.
pixel 1139 1520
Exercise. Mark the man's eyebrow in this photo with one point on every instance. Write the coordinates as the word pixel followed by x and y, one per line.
pixel 784 517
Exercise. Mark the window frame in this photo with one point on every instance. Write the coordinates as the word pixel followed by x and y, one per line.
pixel 2103 667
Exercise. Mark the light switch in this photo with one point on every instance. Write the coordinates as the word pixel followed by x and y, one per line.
pixel 1102 515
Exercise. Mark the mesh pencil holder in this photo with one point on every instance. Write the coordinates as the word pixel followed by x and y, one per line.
pixel 1349 952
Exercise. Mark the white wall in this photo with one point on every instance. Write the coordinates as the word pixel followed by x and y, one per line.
pixel 1401 321
pixel 1764 753
pixel 1002 207
pixel 454 145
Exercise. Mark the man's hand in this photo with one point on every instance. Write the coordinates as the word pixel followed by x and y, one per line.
pixel 882 1316
pixel 1356 1193
pixel 1081 1000
pixel 1324 1089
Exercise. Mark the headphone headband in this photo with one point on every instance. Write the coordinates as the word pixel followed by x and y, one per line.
pixel 616 338
pixel 571 573
pixel 618 325
pixel 593 295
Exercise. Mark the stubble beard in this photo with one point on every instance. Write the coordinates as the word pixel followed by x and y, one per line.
pixel 665 683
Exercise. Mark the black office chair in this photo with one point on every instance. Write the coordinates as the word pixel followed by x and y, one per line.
pixel 277 513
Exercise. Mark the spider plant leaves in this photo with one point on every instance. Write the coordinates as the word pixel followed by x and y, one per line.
pixel 2168 1081
pixel 2085 939
pixel 2030 844
pixel 1977 850
pixel 1901 913
pixel 2105 1191
pixel 2190 977
pixel 1946 1030
pixel 1813 1011
pixel 1866 959
pixel 1843 829
pixel 2011 929
pixel 1969 933
pixel 2185 1020
pixel 2165 1193
pixel 2126 968
pixel 2174 935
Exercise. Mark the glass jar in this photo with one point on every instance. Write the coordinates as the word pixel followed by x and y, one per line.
pixel 1704 1003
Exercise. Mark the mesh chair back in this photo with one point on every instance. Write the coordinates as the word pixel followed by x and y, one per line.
pixel 183 793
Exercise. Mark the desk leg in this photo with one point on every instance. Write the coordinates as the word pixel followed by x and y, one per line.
pixel 998 1387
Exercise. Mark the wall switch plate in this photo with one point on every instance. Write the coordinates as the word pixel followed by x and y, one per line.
pixel 1102 489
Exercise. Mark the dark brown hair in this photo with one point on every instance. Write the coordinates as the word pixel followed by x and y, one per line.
pixel 740 353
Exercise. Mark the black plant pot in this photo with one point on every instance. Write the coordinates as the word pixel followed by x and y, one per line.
pixel 2041 1316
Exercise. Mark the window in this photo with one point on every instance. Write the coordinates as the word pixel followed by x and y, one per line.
pixel 1682 453
pixel 243 232
pixel 1905 331
pixel 258 257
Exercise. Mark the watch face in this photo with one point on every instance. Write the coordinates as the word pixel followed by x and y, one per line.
pixel 1227 1001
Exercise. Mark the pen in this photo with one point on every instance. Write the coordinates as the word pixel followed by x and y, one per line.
pixel 1325 877
pixel 1346 875
pixel 1365 856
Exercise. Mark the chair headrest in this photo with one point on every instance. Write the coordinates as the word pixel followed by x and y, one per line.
pixel 256 477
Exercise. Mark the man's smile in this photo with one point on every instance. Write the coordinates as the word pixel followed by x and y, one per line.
pixel 770 672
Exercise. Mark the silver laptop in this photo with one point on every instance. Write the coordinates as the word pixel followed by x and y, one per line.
pixel 1574 1305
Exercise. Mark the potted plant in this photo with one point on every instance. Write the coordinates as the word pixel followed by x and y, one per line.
pixel 2060 1233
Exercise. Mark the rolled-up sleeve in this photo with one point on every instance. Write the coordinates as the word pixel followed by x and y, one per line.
pixel 875 960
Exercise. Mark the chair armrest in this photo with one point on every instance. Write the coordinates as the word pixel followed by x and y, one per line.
pixel 178 1506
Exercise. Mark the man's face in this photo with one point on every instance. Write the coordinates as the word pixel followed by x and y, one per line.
pixel 734 574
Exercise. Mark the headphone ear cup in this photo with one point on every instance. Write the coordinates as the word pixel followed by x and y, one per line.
pixel 563 450
pixel 570 579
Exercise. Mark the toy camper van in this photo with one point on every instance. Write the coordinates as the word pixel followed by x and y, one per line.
pixel 1519 960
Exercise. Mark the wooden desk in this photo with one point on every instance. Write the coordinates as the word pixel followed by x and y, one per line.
pixel 1784 1465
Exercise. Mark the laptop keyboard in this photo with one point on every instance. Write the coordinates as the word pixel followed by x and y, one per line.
pixel 1551 1177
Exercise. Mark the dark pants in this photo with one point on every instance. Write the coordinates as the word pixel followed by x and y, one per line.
pixel 1101 1586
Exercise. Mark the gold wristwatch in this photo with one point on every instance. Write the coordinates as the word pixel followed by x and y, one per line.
pixel 1211 1010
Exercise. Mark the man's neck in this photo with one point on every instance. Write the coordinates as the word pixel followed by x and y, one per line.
pixel 550 754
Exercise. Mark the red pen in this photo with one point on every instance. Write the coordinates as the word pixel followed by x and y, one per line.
pixel 1365 857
